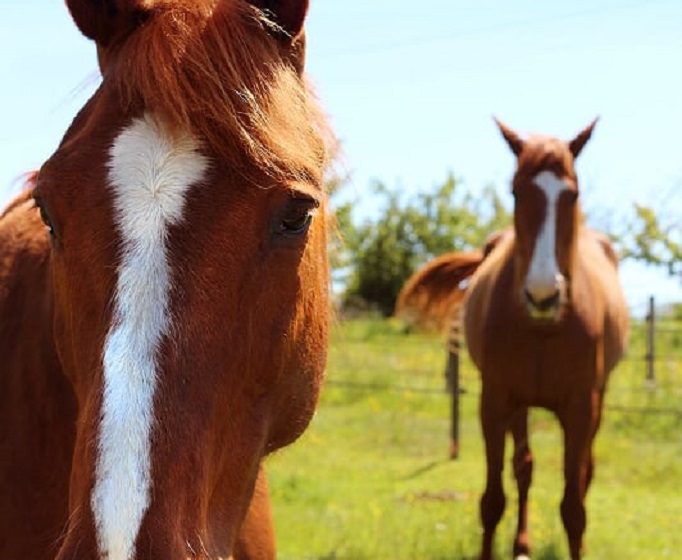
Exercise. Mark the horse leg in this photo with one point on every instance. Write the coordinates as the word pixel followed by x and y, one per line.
pixel 256 540
pixel 522 464
pixel 597 402
pixel 494 425
pixel 577 422
pixel 597 405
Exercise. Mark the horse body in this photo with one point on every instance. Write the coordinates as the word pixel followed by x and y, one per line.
pixel 165 327
pixel 545 322
pixel 545 354
pixel 545 326
pixel 562 367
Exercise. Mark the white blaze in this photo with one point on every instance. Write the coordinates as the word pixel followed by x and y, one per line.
pixel 544 277
pixel 150 174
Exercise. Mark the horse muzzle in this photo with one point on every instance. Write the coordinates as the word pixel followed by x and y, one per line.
pixel 546 304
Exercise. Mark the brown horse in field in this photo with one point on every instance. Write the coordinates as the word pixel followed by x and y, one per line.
pixel 545 322
pixel 164 290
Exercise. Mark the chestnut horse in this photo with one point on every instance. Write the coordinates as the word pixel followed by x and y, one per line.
pixel 545 321
pixel 164 310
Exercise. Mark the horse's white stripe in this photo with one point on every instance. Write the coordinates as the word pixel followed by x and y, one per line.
pixel 150 174
pixel 544 277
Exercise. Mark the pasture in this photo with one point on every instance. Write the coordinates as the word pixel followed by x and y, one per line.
pixel 370 479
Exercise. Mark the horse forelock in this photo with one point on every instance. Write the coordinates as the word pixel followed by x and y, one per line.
pixel 217 70
pixel 543 153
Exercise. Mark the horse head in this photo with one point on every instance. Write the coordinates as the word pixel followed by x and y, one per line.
pixel 546 218
pixel 188 262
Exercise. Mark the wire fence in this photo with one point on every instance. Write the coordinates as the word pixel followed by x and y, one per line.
pixel 650 385
pixel 464 391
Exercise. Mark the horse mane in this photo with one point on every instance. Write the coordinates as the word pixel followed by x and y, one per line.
pixel 221 71
pixel 29 180
pixel 432 294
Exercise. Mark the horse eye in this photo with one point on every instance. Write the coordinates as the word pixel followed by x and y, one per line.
pixel 297 225
pixel 45 217
pixel 297 217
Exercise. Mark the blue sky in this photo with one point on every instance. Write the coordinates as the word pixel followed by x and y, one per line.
pixel 411 86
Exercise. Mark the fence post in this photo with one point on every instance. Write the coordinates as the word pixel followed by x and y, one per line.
pixel 452 375
pixel 454 344
pixel 650 343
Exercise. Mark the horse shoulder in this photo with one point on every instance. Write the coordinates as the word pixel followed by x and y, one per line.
pixel 497 239
pixel 37 406
pixel 481 288
pixel 606 246
pixel 25 298
pixel 23 241
pixel 600 263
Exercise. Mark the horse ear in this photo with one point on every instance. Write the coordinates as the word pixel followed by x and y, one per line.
pixel 576 145
pixel 105 20
pixel 288 14
pixel 514 140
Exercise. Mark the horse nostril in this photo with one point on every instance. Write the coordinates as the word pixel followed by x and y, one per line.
pixel 545 303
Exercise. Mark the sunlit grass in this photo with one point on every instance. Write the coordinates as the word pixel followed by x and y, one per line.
pixel 371 480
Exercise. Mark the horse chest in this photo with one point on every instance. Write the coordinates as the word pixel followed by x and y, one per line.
pixel 538 367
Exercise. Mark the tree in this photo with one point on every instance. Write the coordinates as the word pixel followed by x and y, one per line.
pixel 649 240
pixel 384 251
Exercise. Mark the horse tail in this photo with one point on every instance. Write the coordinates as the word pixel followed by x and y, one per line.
pixel 432 294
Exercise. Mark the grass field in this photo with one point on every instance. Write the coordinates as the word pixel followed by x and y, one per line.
pixel 371 479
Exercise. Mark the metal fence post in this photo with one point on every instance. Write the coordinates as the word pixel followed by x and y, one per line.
pixel 454 345
pixel 650 343
pixel 452 374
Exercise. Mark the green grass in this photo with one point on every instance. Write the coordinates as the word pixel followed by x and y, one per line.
pixel 370 479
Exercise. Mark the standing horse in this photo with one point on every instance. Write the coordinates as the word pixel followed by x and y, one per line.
pixel 545 321
pixel 164 328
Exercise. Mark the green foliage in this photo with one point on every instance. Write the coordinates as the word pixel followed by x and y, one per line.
pixel 340 221
pixel 650 240
pixel 383 254
pixel 384 251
